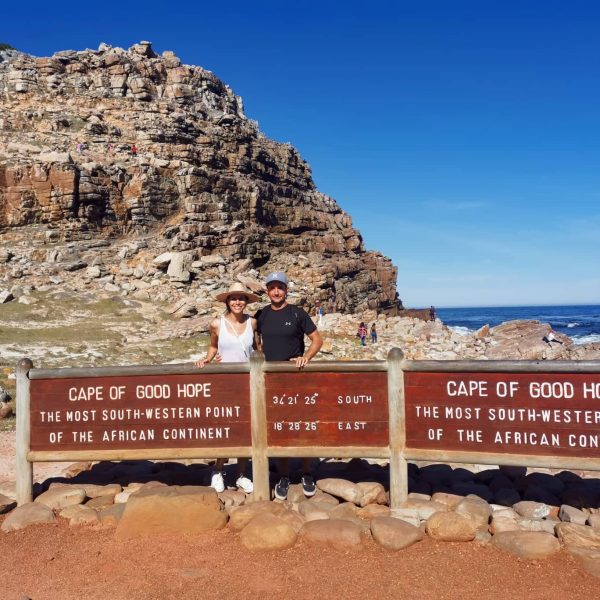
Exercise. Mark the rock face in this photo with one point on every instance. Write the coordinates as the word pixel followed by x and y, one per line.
pixel 97 144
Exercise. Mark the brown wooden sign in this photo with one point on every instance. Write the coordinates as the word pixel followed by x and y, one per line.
pixel 150 411
pixel 515 413
pixel 327 409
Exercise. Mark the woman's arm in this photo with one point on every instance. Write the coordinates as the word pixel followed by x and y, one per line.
pixel 213 348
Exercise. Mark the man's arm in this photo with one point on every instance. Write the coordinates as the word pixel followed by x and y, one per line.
pixel 316 341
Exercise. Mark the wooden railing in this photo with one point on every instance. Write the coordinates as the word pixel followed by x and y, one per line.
pixel 399 410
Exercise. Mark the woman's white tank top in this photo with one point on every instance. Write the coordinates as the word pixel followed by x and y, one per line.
pixel 234 348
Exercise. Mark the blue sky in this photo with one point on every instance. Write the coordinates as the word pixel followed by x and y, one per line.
pixel 462 137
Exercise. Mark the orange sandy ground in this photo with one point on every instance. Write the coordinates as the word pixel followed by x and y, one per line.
pixel 58 562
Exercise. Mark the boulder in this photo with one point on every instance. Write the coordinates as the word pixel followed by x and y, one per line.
pixel 334 533
pixel 77 514
pixel 450 527
pixel 478 511
pixel 572 534
pixel 341 488
pixel 394 534
pixel 527 544
pixel 32 513
pixel 61 497
pixel 176 509
pixel 268 532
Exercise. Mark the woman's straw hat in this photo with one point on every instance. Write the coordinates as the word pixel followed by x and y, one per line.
pixel 237 288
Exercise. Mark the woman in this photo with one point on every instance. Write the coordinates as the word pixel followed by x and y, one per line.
pixel 232 338
pixel 362 333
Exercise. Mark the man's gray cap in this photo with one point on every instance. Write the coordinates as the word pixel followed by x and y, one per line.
pixel 277 276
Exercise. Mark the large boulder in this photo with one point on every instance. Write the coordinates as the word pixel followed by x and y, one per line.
pixel 57 498
pixel 176 509
pixel 394 534
pixel 268 532
pixel 335 533
pixel 32 513
pixel 450 527
pixel 527 544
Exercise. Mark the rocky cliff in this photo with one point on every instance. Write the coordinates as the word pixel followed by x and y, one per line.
pixel 201 184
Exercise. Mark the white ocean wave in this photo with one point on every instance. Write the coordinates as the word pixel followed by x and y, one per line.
pixel 573 325
pixel 586 339
pixel 461 330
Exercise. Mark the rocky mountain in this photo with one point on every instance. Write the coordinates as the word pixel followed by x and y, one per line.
pixel 112 157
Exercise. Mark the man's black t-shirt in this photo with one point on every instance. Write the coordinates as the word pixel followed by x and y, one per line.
pixel 283 331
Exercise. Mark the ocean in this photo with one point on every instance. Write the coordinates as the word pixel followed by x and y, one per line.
pixel 580 322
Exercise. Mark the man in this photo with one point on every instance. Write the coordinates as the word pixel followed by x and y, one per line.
pixel 281 328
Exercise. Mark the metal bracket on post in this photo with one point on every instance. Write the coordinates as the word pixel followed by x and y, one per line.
pixel 23 467
pixel 258 412
pixel 398 466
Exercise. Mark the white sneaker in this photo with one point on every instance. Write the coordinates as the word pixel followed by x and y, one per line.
pixel 217 482
pixel 244 484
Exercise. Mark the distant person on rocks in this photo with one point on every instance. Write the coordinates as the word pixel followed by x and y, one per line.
pixel 281 328
pixel 549 338
pixel 362 333
pixel 373 334
pixel 232 338
pixel 319 312
pixel 134 150
pixel 432 313
pixel 79 147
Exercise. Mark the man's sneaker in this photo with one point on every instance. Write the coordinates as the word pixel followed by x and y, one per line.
pixel 217 482
pixel 282 487
pixel 244 484
pixel 308 485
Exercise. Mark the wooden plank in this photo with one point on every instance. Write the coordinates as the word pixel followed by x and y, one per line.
pixel 329 451
pixel 398 466
pixel 503 366
pixel 140 454
pixel 24 468
pixel 132 371
pixel 260 461
pixel 493 458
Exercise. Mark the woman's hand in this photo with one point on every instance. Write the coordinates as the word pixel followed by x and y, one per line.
pixel 201 362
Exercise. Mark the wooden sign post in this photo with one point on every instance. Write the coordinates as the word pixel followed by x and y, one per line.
pixel 505 412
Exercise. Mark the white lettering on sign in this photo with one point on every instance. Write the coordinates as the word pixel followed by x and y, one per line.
pixel 527 438
pixel 470 435
pixel 462 412
pixel 556 389
pixel 591 390
pixel 52 416
pixel 428 412
pixel 78 416
pixel 193 390
pixel 128 435
pixel 84 437
pixel 220 412
pixel 583 440
pixel 158 391
pixel 196 433
pixel 467 388
pixel 360 399
pixel 351 425
pixel 86 393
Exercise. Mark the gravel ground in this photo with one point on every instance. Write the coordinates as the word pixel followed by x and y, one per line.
pixel 49 562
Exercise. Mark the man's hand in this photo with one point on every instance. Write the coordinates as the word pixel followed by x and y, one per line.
pixel 300 361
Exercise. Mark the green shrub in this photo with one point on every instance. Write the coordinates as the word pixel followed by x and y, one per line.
pixel 6 46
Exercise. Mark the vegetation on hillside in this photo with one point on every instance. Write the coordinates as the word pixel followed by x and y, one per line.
pixel 4 46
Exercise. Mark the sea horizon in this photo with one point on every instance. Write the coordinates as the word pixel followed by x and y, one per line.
pixel 581 322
